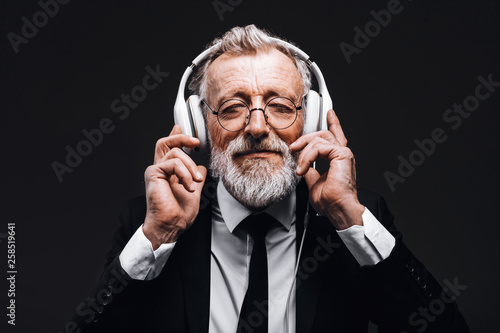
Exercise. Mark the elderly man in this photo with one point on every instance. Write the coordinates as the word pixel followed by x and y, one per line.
pixel 230 266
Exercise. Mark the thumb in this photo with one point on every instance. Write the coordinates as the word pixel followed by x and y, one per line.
pixel 176 130
pixel 311 177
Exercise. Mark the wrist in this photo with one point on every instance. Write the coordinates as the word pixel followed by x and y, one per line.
pixel 346 215
pixel 158 235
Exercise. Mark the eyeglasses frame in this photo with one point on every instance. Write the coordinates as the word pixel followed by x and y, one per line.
pixel 216 113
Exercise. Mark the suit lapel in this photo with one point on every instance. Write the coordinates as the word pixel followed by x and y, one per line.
pixel 307 283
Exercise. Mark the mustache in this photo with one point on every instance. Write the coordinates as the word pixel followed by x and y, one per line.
pixel 243 144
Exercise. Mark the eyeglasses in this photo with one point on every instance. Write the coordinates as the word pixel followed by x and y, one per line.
pixel 234 114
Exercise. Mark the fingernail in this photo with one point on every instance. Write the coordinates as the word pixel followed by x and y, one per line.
pixel 298 169
pixel 191 187
pixel 199 176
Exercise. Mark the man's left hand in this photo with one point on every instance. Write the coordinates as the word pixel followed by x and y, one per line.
pixel 332 194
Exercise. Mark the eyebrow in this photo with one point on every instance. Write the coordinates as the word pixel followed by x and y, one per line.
pixel 246 97
pixel 238 94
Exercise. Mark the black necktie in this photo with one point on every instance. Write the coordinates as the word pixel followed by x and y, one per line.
pixel 254 311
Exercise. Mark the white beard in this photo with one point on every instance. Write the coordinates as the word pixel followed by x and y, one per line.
pixel 257 183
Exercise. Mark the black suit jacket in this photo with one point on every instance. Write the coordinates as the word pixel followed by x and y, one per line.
pixel 334 294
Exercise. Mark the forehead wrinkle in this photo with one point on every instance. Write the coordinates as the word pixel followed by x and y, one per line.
pixel 255 75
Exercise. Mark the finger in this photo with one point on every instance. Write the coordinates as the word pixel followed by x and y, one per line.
pixel 198 186
pixel 304 140
pixel 311 177
pixel 176 184
pixel 323 149
pixel 311 152
pixel 188 162
pixel 334 127
pixel 176 167
pixel 173 180
pixel 175 140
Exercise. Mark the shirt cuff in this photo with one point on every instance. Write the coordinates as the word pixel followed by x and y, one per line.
pixel 140 261
pixel 370 243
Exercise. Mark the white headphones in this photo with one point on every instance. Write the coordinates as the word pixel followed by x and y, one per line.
pixel 189 115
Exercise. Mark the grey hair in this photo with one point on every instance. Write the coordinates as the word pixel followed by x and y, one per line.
pixel 242 41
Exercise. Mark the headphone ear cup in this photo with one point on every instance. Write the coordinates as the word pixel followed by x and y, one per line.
pixel 182 117
pixel 198 127
pixel 313 104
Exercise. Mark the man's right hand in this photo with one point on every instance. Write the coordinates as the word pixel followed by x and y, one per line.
pixel 173 189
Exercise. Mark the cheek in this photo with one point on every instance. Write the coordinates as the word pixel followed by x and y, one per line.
pixel 220 137
pixel 300 124
pixel 294 132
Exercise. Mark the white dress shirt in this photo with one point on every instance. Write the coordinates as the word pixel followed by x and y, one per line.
pixel 230 258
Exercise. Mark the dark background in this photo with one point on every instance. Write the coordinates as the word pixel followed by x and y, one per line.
pixel 393 92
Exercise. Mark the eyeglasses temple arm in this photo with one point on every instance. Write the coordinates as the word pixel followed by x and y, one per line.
pixel 208 106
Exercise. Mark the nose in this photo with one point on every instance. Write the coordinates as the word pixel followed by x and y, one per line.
pixel 257 126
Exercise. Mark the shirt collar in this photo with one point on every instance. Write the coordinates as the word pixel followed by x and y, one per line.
pixel 233 212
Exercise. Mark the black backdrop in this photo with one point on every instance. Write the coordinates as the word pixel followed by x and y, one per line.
pixel 394 91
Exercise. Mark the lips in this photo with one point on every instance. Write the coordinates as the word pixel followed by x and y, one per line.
pixel 256 152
